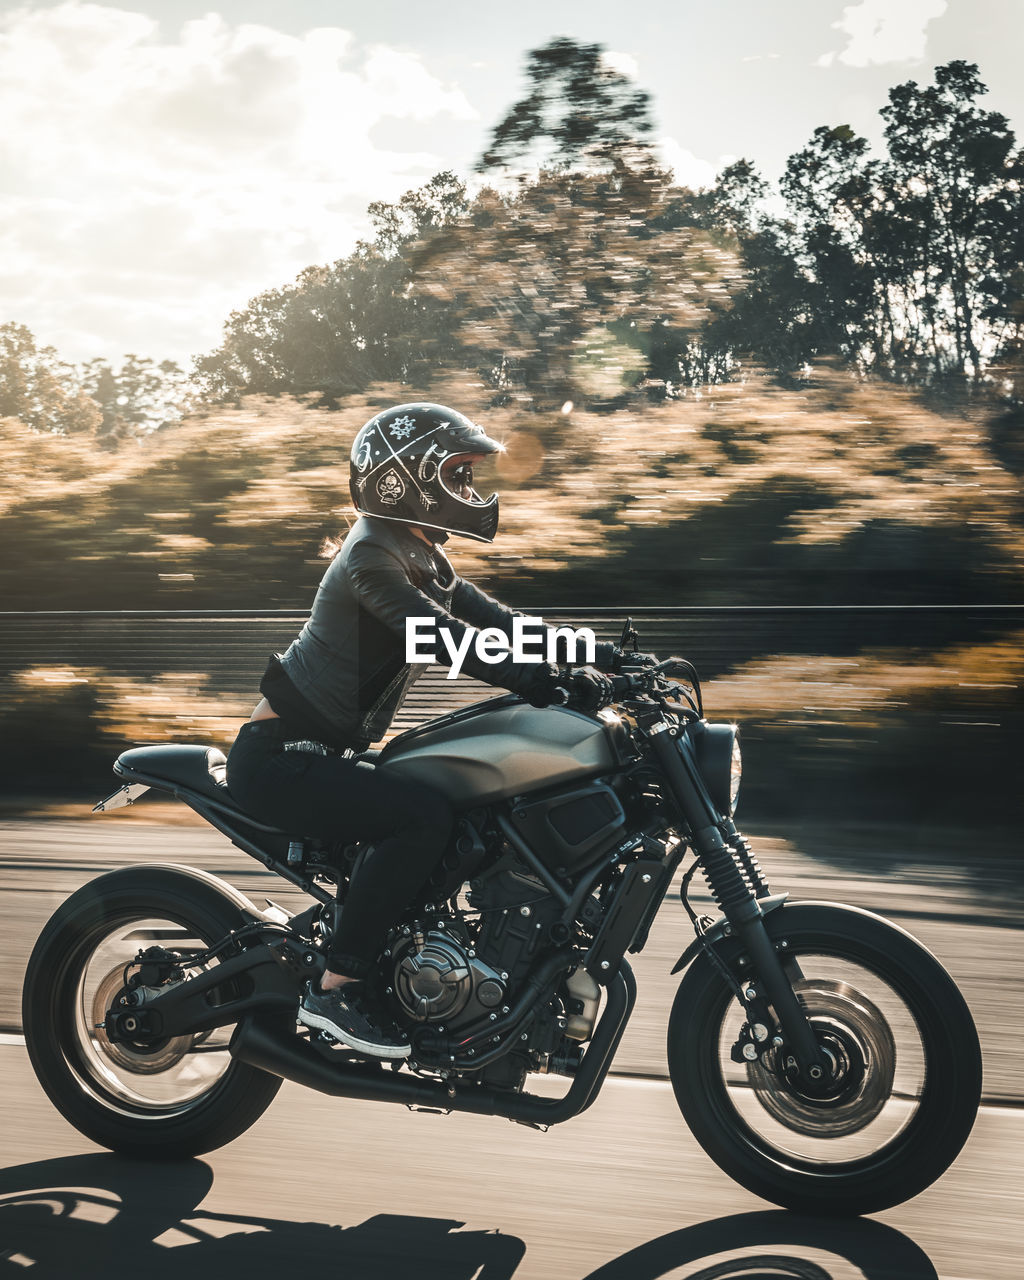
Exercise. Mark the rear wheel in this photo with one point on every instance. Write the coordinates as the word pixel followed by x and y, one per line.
pixel 905 1078
pixel 177 1097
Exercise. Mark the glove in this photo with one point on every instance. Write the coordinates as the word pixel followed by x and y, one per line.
pixel 588 689
pixel 623 659
pixel 543 687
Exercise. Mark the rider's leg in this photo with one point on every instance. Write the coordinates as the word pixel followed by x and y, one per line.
pixel 408 823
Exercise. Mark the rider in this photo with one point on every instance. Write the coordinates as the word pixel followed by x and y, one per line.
pixel 296 763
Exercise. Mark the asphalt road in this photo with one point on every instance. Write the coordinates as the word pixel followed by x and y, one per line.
pixel 372 1191
pixel 620 1193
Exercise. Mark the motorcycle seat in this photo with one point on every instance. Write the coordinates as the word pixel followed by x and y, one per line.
pixel 201 769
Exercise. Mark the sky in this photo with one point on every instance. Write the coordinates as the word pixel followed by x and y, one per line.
pixel 163 162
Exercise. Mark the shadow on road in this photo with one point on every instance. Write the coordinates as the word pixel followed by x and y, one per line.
pixel 99 1215
pixel 774 1246
pixel 103 1215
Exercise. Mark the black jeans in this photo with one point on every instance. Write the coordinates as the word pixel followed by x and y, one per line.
pixel 352 800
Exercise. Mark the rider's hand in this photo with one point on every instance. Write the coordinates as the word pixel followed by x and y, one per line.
pixel 588 689
pixel 544 687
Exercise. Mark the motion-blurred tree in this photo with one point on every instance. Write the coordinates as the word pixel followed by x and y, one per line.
pixel 580 113
pixel 39 389
pixel 564 288
pixel 577 284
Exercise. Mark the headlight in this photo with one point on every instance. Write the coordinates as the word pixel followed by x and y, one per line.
pixel 736 772
pixel 717 748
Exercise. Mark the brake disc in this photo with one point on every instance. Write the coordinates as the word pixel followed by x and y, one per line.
pixel 857 1039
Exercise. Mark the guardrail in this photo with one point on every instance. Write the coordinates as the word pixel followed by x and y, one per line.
pixel 76 687
pixel 230 647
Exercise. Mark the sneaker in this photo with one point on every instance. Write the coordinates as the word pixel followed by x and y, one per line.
pixel 338 1013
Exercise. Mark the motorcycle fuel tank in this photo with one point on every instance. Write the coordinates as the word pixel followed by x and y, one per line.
pixel 499 749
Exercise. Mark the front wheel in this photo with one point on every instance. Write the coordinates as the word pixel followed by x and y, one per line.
pixel 179 1097
pixel 906 1066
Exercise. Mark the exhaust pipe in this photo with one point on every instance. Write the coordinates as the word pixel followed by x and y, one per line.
pixel 260 1044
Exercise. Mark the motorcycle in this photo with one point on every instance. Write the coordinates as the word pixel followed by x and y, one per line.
pixel 820 1055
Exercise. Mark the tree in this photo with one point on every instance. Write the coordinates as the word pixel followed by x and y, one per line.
pixel 765 317
pixel 956 182
pixel 910 259
pixel 579 113
pixel 833 191
pixel 339 327
pixel 438 203
pixel 38 388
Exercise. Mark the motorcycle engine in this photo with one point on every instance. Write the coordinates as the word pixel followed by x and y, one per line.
pixel 446 973
pixel 438 977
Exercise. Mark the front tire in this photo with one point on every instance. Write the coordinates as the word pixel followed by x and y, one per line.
pixel 894 1018
pixel 187 1097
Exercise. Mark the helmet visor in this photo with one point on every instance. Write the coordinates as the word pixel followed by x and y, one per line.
pixel 458 478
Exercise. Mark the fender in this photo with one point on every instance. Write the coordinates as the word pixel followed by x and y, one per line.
pixel 797 913
pixel 274 915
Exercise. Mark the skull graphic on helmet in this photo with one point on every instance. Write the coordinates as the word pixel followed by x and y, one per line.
pixel 390 488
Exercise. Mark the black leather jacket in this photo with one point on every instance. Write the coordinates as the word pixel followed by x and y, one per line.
pixel 344 677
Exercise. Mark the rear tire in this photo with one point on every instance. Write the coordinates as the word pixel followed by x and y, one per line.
pixel 802 1155
pixel 192 1096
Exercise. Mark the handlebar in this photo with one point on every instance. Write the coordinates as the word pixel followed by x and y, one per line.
pixel 643 679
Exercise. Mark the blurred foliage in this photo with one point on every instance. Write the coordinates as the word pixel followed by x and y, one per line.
pixel 138 397
pixel 50 396
pixel 908 265
pixel 562 288
pixel 922 734
pixel 584 273
pixel 71 722
pixel 874 734
pixel 837 490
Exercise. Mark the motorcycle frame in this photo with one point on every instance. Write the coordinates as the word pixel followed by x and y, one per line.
pixel 275 972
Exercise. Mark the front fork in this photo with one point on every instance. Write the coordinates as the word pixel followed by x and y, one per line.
pixel 739 887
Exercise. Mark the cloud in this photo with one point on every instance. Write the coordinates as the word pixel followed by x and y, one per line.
pixel 881 31
pixel 155 180
pixel 689 170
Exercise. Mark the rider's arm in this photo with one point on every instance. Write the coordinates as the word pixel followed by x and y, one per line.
pixel 481 610
pixel 384 590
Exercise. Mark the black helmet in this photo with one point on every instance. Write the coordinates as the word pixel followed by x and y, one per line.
pixel 405 459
